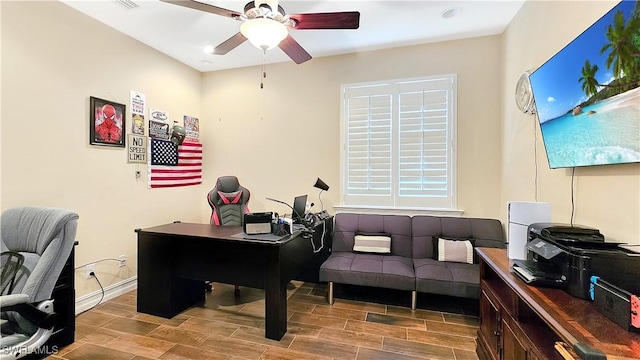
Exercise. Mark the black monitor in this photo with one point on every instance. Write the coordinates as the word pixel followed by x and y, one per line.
pixel 299 206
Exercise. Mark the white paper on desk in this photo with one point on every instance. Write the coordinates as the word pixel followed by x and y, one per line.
pixel 289 221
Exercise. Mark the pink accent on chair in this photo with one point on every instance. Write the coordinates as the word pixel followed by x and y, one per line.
pixel 214 219
pixel 230 198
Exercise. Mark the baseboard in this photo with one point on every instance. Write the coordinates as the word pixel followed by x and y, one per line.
pixel 86 302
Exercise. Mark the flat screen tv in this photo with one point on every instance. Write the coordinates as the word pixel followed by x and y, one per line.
pixel 587 96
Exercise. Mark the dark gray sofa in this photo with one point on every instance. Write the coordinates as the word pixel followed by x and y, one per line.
pixel 413 263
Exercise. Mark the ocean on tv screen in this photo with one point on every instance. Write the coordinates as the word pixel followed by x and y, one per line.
pixel 607 132
pixel 587 95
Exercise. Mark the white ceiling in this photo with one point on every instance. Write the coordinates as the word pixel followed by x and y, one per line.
pixel 182 33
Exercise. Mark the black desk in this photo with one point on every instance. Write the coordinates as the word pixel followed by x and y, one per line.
pixel 320 245
pixel 175 259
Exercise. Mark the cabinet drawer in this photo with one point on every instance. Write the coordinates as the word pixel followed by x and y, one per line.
pixel 507 299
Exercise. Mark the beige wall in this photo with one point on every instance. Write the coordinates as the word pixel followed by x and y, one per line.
pixel 606 197
pixel 276 140
pixel 1 114
pixel 280 138
pixel 53 59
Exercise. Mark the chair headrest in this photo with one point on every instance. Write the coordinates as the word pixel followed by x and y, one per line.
pixel 32 228
pixel 227 184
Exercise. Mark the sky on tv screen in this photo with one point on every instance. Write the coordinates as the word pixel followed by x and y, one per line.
pixel 555 84
pixel 587 96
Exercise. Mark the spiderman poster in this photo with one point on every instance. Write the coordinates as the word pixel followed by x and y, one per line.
pixel 106 122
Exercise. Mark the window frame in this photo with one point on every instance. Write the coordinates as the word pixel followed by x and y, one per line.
pixel 395 200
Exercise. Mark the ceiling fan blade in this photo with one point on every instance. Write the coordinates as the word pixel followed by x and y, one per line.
pixel 335 20
pixel 291 47
pixel 192 4
pixel 229 44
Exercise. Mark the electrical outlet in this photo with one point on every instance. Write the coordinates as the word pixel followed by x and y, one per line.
pixel 123 260
pixel 91 268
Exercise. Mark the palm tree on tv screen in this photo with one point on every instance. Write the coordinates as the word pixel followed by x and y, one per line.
pixel 588 79
pixel 621 45
pixel 623 59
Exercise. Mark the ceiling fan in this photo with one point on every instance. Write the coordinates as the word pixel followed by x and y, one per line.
pixel 265 25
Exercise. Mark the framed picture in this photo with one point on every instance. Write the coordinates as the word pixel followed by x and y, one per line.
pixel 106 123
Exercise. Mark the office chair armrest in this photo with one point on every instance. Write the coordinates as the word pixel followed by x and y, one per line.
pixel 40 314
pixel 13 299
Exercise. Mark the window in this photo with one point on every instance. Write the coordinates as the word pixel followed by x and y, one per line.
pixel 399 143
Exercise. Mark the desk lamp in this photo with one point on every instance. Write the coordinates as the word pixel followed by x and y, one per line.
pixel 323 187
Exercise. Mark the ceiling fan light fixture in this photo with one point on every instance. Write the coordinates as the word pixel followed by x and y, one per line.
pixel 208 50
pixel 264 33
pixel 266 25
pixel 448 13
pixel 274 9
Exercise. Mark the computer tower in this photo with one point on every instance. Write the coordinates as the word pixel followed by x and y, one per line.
pixel 522 214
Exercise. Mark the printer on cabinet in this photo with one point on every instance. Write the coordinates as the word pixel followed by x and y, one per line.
pixel 567 256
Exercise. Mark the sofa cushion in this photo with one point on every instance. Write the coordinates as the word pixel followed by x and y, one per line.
pixel 447 278
pixel 426 230
pixel 348 225
pixel 386 271
pixel 379 244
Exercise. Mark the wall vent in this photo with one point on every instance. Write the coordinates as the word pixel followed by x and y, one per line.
pixel 128 4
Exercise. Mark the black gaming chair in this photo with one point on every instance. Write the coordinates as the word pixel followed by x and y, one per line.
pixel 228 201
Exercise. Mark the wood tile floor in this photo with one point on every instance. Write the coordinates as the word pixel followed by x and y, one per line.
pixel 229 327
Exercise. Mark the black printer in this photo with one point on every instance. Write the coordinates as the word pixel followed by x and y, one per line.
pixel 567 256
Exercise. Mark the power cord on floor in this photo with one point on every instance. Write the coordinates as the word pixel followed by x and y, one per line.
pixel 93 275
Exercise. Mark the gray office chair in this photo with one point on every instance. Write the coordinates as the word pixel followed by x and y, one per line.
pixel 35 245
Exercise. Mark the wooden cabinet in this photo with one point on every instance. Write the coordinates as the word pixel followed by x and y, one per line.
pixel 499 336
pixel 490 325
pixel 512 347
pixel 521 322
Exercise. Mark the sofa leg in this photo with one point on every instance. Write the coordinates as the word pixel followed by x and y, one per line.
pixel 414 295
pixel 330 298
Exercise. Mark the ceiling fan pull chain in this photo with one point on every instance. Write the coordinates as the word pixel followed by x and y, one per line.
pixel 263 72
pixel 264 62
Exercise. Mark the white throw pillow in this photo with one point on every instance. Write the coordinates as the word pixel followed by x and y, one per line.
pixel 377 244
pixel 455 251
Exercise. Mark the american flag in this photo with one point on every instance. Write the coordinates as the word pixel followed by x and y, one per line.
pixel 172 166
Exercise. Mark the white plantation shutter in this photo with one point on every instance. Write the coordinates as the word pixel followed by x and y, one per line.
pixel 399 143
